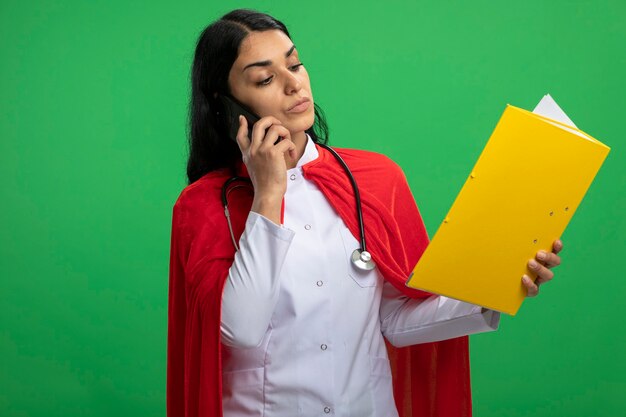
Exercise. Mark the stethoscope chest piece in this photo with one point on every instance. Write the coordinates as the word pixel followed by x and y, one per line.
pixel 363 260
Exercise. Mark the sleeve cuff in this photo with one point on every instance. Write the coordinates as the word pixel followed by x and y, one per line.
pixel 491 317
pixel 280 231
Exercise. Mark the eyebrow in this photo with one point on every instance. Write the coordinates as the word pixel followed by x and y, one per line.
pixel 268 62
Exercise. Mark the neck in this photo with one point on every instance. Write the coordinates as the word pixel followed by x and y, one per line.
pixel 299 139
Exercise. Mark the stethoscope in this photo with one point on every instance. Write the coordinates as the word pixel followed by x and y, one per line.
pixel 361 258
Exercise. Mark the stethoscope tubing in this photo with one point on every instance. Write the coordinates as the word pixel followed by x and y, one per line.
pixel 357 195
pixel 225 191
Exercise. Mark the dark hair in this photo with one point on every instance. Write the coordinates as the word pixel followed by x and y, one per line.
pixel 218 46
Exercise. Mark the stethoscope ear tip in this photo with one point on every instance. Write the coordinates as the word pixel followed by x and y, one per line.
pixel 363 260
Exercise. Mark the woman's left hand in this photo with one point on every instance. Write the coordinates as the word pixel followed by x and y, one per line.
pixel 541 265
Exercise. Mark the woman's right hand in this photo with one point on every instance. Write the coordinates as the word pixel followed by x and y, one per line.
pixel 266 162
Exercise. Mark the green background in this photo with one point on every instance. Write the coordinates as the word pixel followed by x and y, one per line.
pixel 93 131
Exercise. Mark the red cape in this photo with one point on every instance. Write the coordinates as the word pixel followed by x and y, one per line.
pixel 430 379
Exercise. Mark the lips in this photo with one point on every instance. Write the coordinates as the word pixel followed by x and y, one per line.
pixel 297 103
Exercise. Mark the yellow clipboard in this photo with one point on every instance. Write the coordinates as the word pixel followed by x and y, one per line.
pixel 519 197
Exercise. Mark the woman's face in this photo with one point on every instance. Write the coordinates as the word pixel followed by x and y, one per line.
pixel 269 82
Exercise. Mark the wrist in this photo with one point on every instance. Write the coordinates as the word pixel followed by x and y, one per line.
pixel 269 206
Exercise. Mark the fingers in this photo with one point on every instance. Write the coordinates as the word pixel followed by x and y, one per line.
pixel 541 266
pixel 550 260
pixel 557 246
pixel 259 131
pixel 543 274
pixel 286 145
pixel 264 134
pixel 243 140
pixel 532 289
pixel 272 134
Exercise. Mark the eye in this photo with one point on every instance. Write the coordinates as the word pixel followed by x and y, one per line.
pixel 294 68
pixel 265 81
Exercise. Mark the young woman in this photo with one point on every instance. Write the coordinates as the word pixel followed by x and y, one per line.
pixel 275 307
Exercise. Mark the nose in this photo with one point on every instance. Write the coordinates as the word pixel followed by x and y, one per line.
pixel 292 83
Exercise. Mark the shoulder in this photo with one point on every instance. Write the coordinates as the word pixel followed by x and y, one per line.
pixel 370 162
pixel 377 173
pixel 202 195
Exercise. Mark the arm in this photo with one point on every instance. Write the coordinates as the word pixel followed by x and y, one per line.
pixel 407 321
pixel 252 287
pixel 201 255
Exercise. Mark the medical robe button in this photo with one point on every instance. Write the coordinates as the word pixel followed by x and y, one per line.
pixel 324 347
pixel 307 226
pixel 327 410
pixel 292 177
pixel 320 283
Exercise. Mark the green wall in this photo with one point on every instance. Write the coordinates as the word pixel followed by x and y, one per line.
pixel 92 125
